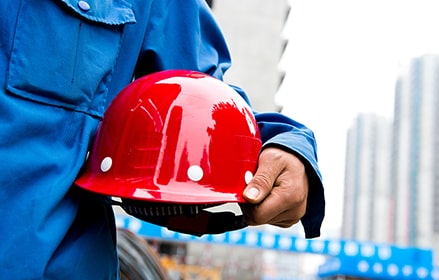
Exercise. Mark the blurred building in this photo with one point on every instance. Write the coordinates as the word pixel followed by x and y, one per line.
pixel 253 31
pixel 415 157
pixel 392 178
pixel 367 212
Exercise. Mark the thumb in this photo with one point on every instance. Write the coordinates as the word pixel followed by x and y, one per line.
pixel 261 184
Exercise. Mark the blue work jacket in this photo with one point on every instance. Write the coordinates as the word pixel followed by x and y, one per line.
pixel 61 64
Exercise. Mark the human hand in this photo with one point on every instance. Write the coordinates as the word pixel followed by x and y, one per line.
pixel 278 192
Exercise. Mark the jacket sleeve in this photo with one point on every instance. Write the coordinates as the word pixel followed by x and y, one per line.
pixel 188 37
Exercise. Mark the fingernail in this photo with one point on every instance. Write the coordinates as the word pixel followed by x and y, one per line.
pixel 252 193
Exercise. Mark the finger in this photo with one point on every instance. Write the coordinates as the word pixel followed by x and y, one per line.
pixel 286 223
pixel 261 184
pixel 259 215
pixel 284 220
pixel 285 205
pixel 265 177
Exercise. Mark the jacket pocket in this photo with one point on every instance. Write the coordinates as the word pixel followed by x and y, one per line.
pixel 63 55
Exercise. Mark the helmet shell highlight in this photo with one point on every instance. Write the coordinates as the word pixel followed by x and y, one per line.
pixel 174 136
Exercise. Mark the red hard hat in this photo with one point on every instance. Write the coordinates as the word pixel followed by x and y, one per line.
pixel 174 137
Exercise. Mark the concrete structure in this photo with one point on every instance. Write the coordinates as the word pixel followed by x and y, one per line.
pixel 253 31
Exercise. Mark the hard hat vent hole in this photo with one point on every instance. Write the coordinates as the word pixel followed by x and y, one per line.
pixel 195 173
pixel 106 164
pixel 248 176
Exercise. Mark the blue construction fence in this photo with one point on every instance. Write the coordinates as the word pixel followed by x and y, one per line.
pixel 348 257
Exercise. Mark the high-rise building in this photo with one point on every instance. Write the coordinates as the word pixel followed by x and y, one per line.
pixel 392 169
pixel 367 176
pixel 415 156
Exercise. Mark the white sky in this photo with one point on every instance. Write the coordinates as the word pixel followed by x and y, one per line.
pixel 343 58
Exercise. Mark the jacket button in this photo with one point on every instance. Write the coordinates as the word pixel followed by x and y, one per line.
pixel 84 6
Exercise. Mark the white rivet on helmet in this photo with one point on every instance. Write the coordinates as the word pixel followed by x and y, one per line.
pixel 195 173
pixel 248 176
pixel 106 164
